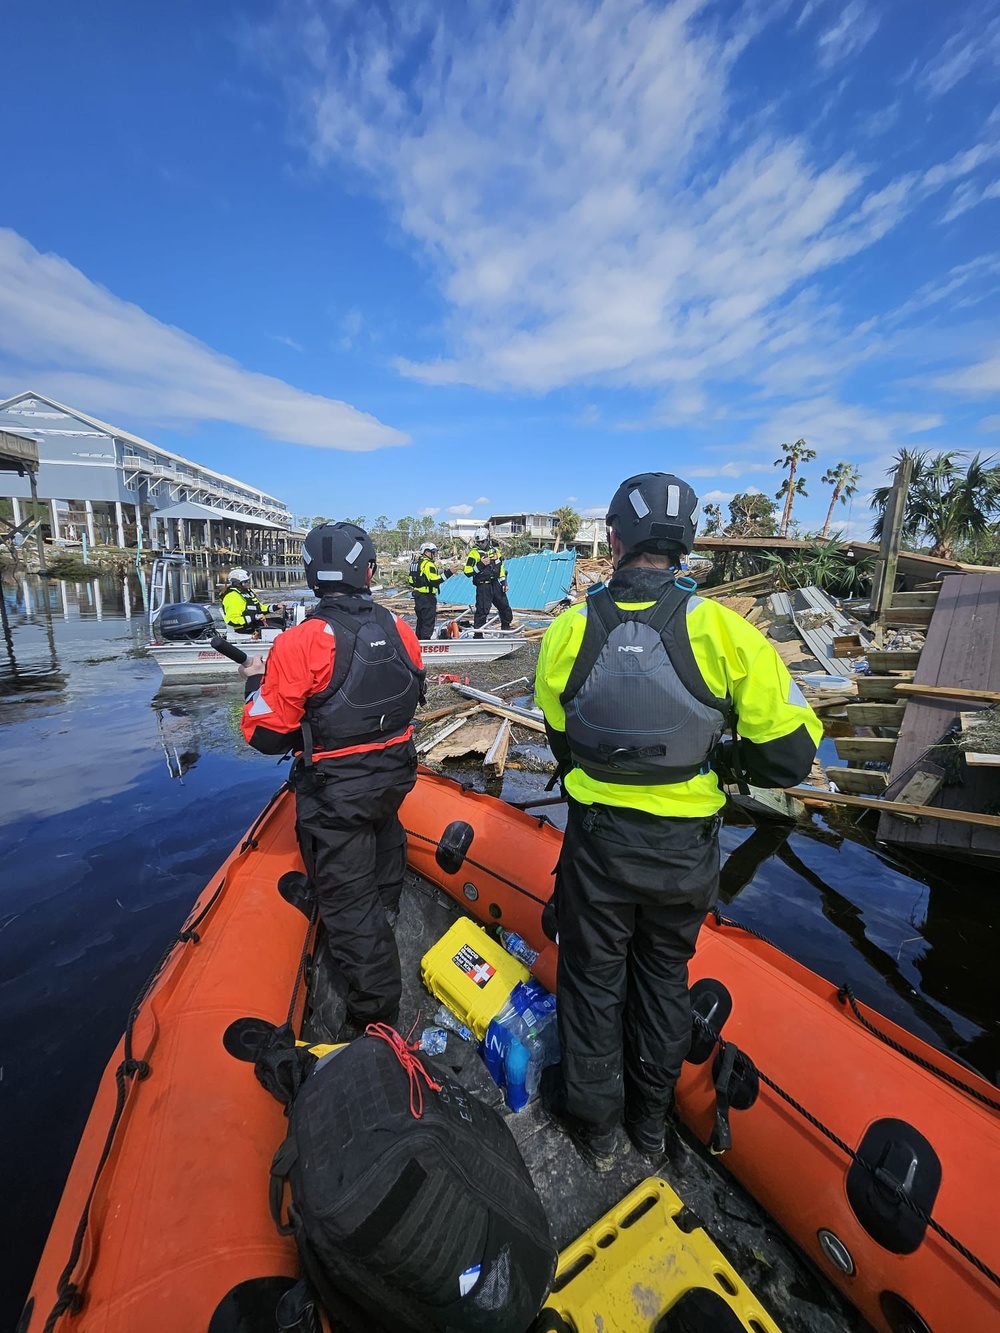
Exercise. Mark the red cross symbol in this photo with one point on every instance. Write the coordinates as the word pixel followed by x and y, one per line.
pixel 481 974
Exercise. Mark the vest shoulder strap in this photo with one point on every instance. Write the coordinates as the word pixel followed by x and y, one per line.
pixel 603 615
pixel 664 620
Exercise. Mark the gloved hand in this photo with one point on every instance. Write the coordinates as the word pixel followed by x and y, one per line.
pixel 449 573
pixel 722 763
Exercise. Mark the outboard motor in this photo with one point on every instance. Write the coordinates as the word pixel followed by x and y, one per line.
pixel 184 621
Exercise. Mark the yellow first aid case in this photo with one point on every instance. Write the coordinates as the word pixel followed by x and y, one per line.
pixel 472 973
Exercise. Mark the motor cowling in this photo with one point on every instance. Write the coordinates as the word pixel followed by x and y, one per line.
pixel 184 621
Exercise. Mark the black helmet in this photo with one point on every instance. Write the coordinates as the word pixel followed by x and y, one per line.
pixel 339 554
pixel 653 511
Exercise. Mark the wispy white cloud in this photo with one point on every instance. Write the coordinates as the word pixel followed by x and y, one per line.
pixel 853 30
pixel 483 500
pixel 288 342
pixel 636 236
pixel 990 423
pixel 62 334
pixel 715 497
pixel 460 511
pixel 428 511
pixel 976 45
pixel 976 380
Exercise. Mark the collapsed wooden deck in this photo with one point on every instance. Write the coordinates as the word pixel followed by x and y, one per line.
pixel 962 653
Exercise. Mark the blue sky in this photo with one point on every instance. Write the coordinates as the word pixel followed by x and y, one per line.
pixel 404 258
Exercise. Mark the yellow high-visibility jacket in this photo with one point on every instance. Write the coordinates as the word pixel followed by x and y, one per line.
pixel 779 731
pixel 239 608
pixel 484 564
pixel 427 579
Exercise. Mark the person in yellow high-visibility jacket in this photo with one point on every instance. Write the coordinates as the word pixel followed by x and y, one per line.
pixel 637 687
pixel 242 608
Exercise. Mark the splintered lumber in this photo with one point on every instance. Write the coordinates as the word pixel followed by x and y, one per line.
pixel 515 715
pixel 429 742
pixel 436 714
pixel 510 710
pixel 876 714
pixel 476 737
pixel 882 660
pixel 865 748
pixel 861 781
pixel 896 809
pixel 948 692
pixel 881 687
pixel 496 755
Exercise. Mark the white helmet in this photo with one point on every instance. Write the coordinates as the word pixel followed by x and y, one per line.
pixel 482 534
pixel 428 546
pixel 239 575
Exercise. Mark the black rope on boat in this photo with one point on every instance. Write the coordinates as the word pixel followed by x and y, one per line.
pixel 846 994
pixel 886 1182
pixel 518 888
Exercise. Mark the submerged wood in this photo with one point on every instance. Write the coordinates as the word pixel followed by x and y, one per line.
pixel 893 808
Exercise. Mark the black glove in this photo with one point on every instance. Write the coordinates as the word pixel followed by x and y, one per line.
pixel 722 763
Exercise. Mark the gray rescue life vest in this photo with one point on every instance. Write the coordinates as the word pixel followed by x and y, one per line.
pixel 637 707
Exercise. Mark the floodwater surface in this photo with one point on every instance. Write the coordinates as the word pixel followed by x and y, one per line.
pixel 119 800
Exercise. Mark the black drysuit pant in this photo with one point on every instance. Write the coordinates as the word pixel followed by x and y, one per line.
pixel 489 595
pixel 354 848
pixel 425 607
pixel 632 890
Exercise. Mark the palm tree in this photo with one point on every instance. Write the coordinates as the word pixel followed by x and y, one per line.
pixel 945 502
pixel 792 456
pixel 844 479
pixel 567 525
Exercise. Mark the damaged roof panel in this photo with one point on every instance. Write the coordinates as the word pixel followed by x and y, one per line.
pixel 537 582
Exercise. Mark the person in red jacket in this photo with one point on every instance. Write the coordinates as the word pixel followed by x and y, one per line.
pixel 340 690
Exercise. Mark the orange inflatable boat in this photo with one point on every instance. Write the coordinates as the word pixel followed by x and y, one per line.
pixel 879 1155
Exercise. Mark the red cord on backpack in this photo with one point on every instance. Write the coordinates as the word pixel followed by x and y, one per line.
pixel 406 1057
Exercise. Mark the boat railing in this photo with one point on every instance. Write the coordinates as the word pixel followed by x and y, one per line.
pixel 169 581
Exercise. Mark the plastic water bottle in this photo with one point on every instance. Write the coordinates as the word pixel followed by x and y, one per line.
pixel 444 1018
pixel 433 1041
pixel 521 1041
pixel 517 947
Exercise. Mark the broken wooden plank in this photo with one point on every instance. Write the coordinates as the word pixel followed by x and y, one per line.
pixel 948 692
pixel 810 796
pixel 880 687
pixel 903 601
pixel 428 743
pixel 532 714
pixel 476 737
pixel 876 714
pixel 514 715
pixel 861 781
pixel 496 755
pixel 917 616
pixel 882 660
pixel 865 748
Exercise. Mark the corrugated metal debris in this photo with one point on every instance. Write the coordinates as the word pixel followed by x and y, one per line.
pixel 537 582
pixel 819 623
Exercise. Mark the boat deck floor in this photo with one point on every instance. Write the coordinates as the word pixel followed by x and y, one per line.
pixel 791 1289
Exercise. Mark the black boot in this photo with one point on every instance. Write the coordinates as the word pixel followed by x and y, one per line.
pixel 600 1147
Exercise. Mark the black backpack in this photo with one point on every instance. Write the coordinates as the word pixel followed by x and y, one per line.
pixel 407 1222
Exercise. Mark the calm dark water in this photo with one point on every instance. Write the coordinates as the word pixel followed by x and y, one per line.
pixel 118 802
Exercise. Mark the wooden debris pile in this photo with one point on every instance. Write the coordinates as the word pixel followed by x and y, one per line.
pixel 483 724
